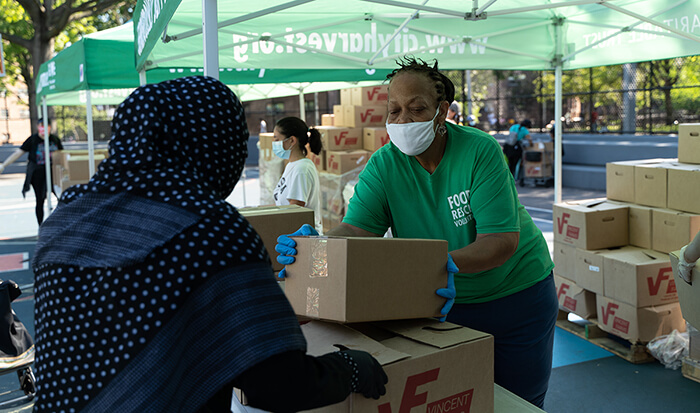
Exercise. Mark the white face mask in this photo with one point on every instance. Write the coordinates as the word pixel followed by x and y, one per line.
pixel 278 149
pixel 412 138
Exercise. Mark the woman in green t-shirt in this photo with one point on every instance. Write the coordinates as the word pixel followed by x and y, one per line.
pixel 438 180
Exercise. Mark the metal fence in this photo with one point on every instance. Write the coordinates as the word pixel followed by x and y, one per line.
pixel 648 97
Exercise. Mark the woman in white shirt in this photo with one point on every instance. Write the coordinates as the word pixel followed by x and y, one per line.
pixel 299 184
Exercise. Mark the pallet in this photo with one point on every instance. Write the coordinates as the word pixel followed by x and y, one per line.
pixel 635 353
pixel 691 369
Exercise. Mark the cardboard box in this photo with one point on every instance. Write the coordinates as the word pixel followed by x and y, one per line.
pixel 564 256
pixel 574 299
pixel 640 225
pixel 318 160
pixel 672 229
pixel 357 279
pixel 620 178
pixel 340 138
pixel 432 366
pixel 346 96
pixel 503 402
pixel 374 138
pixel 591 224
pixel 537 169
pixel 78 167
pixel 265 139
pixel 588 269
pixel 364 116
pixel 650 184
pixel 338 118
pixel 370 95
pixel 327 119
pixel 638 324
pixel 340 162
pixel 688 294
pixel 689 143
pixel 619 181
pixel 272 221
pixel 683 187
pixel 639 277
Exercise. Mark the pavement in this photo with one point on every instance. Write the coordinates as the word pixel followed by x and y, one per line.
pixel 18 232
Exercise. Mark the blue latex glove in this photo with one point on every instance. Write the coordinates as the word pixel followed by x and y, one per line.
pixel 286 247
pixel 450 292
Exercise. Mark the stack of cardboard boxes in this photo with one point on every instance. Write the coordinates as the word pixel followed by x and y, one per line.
pixel 538 160
pixel 270 168
pixel 688 293
pixel 72 167
pixel 349 136
pixel 615 252
pixel 344 291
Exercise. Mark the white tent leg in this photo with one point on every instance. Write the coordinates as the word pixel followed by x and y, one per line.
pixel 302 108
pixel 90 134
pixel 557 116
pixel 142 77
pixel 47 152
pixel 211 38
pixel 469 94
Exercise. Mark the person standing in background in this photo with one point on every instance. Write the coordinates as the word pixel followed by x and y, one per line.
pixel 36 160
pixel 299 184
pixel 263 126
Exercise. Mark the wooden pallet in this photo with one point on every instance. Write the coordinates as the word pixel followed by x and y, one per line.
pixel 588 330
pixel 691 369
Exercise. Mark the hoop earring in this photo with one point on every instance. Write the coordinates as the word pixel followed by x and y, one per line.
pixel 442 129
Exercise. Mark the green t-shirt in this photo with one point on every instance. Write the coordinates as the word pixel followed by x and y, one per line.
pixel 471 192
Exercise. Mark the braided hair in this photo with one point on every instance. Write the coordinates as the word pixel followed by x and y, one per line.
pixel 443 85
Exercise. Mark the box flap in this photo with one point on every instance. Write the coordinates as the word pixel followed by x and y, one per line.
pixel 323 337
pixel 432 332
pixel 271 209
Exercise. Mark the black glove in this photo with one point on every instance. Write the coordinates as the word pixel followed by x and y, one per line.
pixel 368 376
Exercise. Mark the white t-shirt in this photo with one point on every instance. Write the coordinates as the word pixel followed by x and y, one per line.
pixel 300 181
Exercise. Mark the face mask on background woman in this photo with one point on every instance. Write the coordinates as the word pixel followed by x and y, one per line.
pixel 278 149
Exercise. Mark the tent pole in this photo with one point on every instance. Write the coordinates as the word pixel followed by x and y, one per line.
pixel 469 93
pixel 302 108
pixel 557 134
pixel 47 153
pixel 211 38
pixel 558 62
pixel 142 77
pixel 90 134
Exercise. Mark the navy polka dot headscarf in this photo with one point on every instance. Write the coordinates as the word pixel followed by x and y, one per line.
pixel 182 142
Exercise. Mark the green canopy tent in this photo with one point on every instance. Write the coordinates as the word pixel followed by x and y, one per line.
pixel 99 70
pixel 492 34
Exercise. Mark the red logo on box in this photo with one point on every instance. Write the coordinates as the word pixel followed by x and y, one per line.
pixel 344 136
pixel 410 399
pixel 459 403
pixel 655 285
pixel 369 115
pixel 332 163
pixel 572 232
pixel 570 303
pixel 610 310
pixel 376 92
pixel 561 222
pixel 621 325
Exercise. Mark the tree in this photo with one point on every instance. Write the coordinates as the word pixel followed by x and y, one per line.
pixel 36 30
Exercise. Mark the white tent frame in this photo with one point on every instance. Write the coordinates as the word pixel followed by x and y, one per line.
pixel 210 27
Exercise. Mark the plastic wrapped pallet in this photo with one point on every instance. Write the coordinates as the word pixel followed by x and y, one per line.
pixel 333 202
pixel 270 174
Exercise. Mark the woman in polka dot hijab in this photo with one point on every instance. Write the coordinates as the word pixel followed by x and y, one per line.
pixel 152 292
